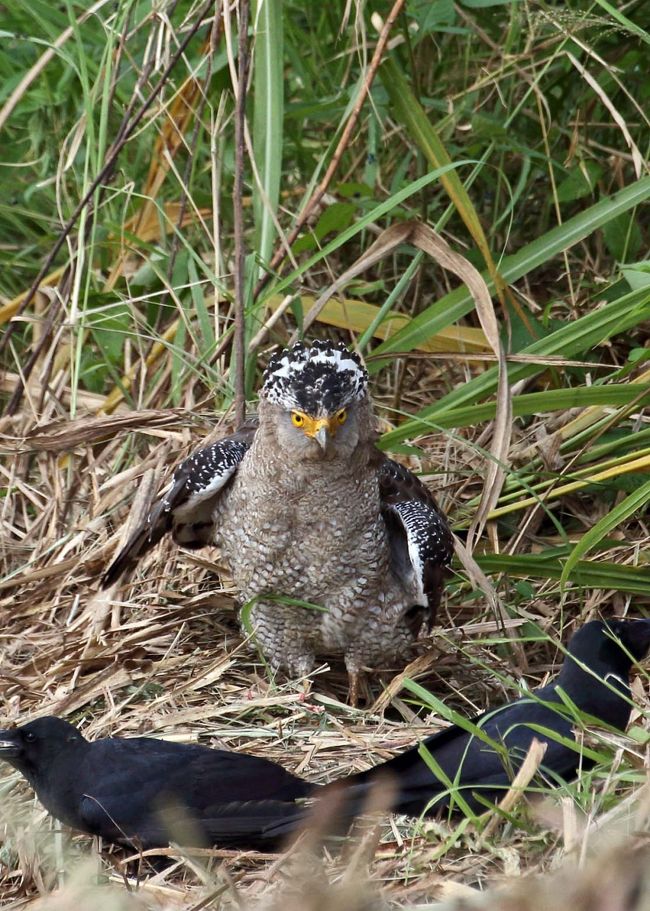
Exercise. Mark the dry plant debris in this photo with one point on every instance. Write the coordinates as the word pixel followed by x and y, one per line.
pixel 164 656
pixel 121 362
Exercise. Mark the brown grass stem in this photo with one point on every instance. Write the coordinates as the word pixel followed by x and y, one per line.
pixel 346 135
pixel 239 347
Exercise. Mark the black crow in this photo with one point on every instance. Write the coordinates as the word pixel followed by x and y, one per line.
pixel 144 792
pixel 592 686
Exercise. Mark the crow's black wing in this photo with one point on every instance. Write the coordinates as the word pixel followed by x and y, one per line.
pixel 474 765
pixel 186 508
pixel 420 539
pixel 249 824
pixel 148 792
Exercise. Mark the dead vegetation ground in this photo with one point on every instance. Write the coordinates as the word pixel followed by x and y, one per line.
pixel 164 655
pixel 542 108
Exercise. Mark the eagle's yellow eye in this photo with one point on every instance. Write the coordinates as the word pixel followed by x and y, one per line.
pixel 342 416
pixel 297 419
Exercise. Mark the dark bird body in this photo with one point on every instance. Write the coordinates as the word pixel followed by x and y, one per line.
pixel 305 508
pixel 145 792
pixel 594 677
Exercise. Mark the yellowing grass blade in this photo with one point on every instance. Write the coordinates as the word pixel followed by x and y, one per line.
pixel 356 316
pixel 593 414
pixel 8 310
pixel 641 464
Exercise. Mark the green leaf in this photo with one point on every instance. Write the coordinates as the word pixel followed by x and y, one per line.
pixel 580 181
pixel 267 120
pixel 638 734
pixel 459 303
pixel 637 275
pixel 110 329
pixel 431 15
pixel 623 237
pixel 630 505
pixel 336 217
pixel 354 190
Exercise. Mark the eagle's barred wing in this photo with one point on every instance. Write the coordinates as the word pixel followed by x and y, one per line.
pixel 420 539
pixel 199 478
pixel 185 508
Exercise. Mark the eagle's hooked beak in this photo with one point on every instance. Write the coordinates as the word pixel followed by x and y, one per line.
pixel 321 436
pixel 321 429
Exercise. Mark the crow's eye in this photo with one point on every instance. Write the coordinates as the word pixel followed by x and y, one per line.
pixel 29 737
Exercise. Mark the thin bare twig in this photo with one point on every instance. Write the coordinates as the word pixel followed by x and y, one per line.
pixel 103 176
pixel 239 349
pixel 35 71
pixel 321 189
pixel 202 97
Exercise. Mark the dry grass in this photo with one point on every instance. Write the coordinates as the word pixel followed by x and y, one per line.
pixel 164 655
pixel 138 307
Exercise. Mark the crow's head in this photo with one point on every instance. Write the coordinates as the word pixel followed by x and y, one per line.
pixel 32 747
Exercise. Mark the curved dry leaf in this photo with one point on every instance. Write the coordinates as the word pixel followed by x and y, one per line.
pixel 61 436
pixel 427 240
pixel 387 241
pixel 432 243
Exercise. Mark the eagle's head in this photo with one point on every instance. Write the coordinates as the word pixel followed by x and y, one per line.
pixel 317 398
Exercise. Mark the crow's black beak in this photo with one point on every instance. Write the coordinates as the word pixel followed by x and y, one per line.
pixel 10 745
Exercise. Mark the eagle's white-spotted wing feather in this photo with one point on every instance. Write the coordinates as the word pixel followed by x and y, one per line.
pixel 186 507
pixel 420 539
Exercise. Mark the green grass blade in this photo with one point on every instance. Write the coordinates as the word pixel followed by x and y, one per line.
pixel 268 119
pixel 452 790
pixel 524 405
pixel 575 338
pixel 585 573
pixel 408 111
pixel 636 501
pixel 459 303
pixel 449 714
